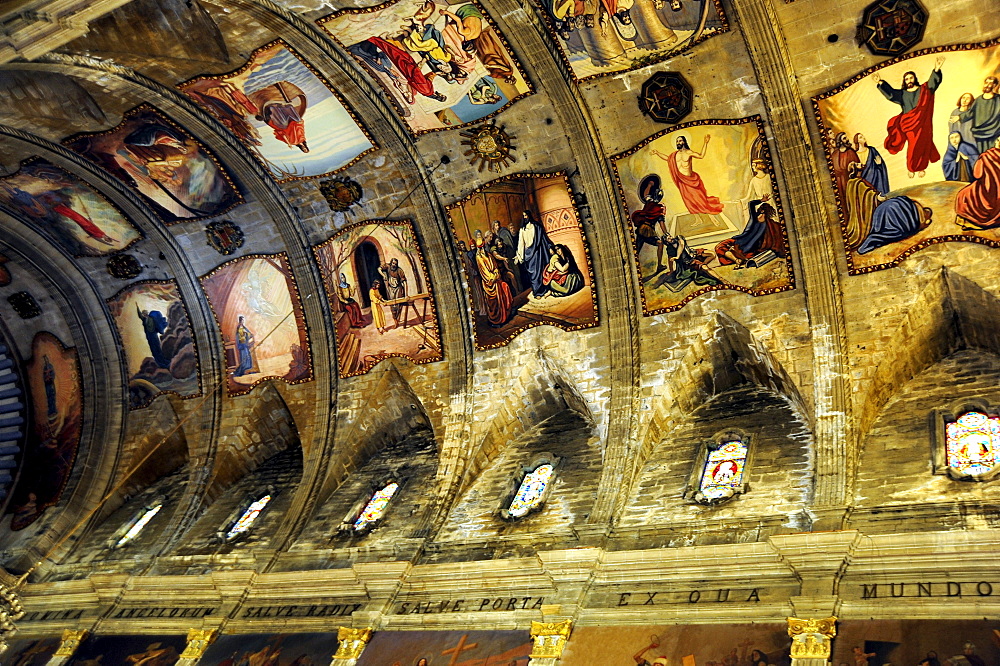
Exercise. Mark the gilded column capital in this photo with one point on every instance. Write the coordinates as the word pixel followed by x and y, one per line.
pixel 198 641
pixel 811 637
pixel 549 638
pixel 352 642
pixel 70 642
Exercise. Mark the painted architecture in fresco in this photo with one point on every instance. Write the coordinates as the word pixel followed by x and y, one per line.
pixel 129 651
pixel 705 213
pixel 178 176
pixel 298 649
pixel 920 642
pixel 279 108
pixel 466 648
pixel 691 645
pixel 912 148
pixel 158 342
pixel 257 307
pixel 525 257
pixel 65 207
pixel 380 295
pixel 53 376
pixel 31 651
pixel 600 38
pixel 442 65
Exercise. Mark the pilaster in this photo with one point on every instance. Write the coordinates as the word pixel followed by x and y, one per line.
pixel 67 648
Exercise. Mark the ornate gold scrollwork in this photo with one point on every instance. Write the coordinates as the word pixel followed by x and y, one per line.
pixel 352 642
pixel 549 638
pixel 811 637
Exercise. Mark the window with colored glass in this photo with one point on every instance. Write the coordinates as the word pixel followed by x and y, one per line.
pixel 972 442
pixel 246 521
pixel 723 473
pixel 530 492
pixel 137 525
pixel 376 507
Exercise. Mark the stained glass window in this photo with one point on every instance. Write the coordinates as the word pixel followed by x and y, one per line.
pixel 529 493
pixel 138 525
pixel 376 507
pixel 723 473
pixel 246 521
pixel 972 443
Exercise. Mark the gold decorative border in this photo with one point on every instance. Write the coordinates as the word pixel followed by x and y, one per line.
pixel 187 313
pixel 515 61
pixel 927 242
pixel 83 408
pixel 30 161
pixel 300 318
pixel 406 222
pixel 146 107
pixel 683 48
pixel 347 107
pixel 586 250
pixel 756 120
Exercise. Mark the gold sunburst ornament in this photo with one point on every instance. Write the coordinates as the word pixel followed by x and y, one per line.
pixel 489 145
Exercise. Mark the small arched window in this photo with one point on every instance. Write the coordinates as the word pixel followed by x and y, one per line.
pixel 139 522
pixel 720 471
pixel 375 508
pixel 247 518
pixel 531 490
pixel 972 445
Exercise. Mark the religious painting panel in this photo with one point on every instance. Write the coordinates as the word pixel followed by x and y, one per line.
pixel 704 213
pixel 913 152
pixel 380 295
pixel 461 648
pixel 921 642
pixel 129 650
pixel 178 176
pixel 442 65
pixel 601 38
pixel 158 341
pixel 53 377
pixel 281 109
pixel 31 651
pixel 525 257
pixel 256 305
pixel 84 222
pixel 760 644
pixel 299 649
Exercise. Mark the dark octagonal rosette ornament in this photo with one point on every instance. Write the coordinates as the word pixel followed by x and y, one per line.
pixel 124 266
pixel 891 27
pixel 666 97
pixel 24 305
pixel 341 193
pixel 224 236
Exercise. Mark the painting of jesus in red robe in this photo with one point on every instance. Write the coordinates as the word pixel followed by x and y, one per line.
pixel 688 182
pixel 913 127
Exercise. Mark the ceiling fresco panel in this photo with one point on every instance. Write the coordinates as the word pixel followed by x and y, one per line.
pixel 380 295
pixel 913 154
pixel 285 113
pixel 705 213
pixel 525 257
pixel 442 66
pixel 256 305
pixel 158 341
pixel 600 38
pixel 177 175
pixel 59 204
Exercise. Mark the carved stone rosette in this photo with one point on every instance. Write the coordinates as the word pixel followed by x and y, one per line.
pixel 351 643
pixel 811 640
pixel 549 640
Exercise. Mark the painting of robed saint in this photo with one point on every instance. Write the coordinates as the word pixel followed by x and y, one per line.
pixel 256 304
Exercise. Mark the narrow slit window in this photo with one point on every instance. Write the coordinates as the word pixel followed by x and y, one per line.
pixel 137 526
pixel 530 492
pixel 722 476
pixel 972 443
pixel 376 507
pixel 246 521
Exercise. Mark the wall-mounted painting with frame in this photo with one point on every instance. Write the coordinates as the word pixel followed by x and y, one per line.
pixel 288 115
pixel 704 213
pixel 180 178
pixel 158 341
pixel 913 151
pixel 442 65
pixel 503 648
pixel 303 649
pixel 525 257
pixel 82 219
pixel 53 376
pixel 600 38
pixel 380 295
pixel 155 650
pixel 256 305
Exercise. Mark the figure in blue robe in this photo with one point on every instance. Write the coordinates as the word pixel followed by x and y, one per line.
pixel 873 168
pixel 49 380
pixel 533 252
pixel 893 220
pixel 960 159
pixel 153 325
pixel 244 346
